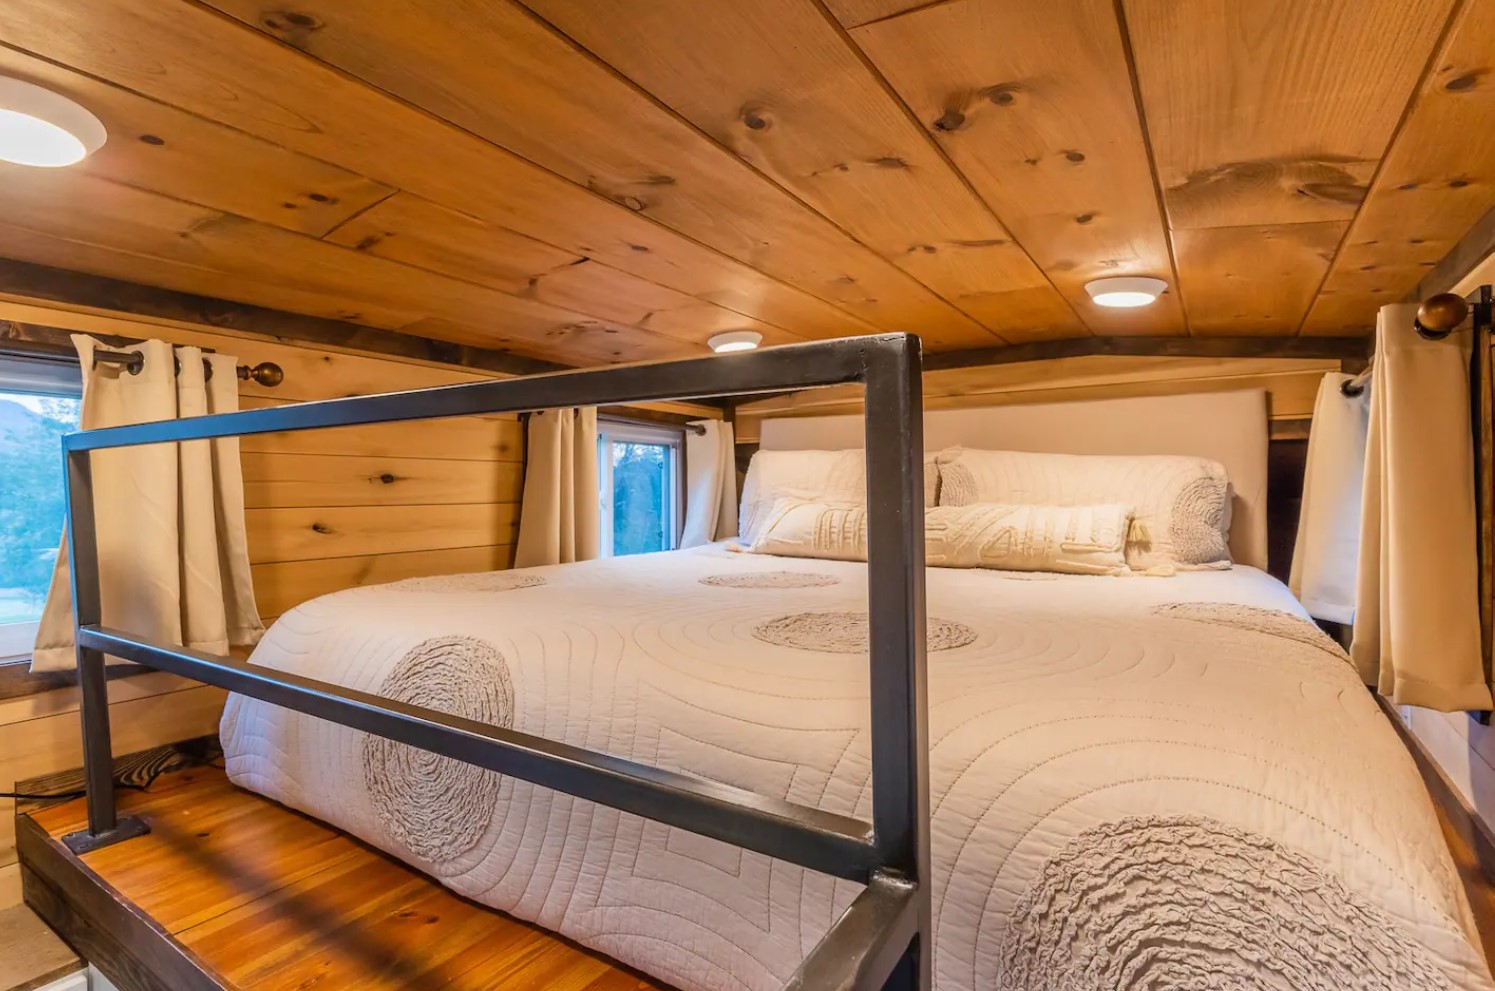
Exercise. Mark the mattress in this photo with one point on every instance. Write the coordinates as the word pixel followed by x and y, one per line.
pixel 1150 782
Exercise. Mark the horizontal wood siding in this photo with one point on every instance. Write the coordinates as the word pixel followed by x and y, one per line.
pixel 326 510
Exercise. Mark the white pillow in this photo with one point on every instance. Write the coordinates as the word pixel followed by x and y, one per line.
pixel 1180 504
pixel 1076 540
pixel 1073 540
pixel 835 478
pixel 813 529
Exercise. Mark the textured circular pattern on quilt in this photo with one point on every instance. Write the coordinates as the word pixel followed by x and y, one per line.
pixel 483 581
pixel 846 632
pixel 1184 903
pixel 437 807
pixel 1272 622
pixel 772 579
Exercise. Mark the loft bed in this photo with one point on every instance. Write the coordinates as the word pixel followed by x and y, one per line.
pixel 877 942
pixel 1232 696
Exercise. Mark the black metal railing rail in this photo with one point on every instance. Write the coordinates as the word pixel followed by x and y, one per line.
pixel 882 940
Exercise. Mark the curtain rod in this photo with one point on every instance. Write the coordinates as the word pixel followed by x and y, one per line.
pixel 266 373
pixel 1437 318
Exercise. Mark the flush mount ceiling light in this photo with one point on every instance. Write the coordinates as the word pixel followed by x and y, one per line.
pixel 39 127
pixel 1125 292
pixel 735 340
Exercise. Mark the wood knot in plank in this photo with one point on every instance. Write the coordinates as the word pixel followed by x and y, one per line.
pixel 950 120
pixel 754 118
pixel 1464 82
pixel 291 22
pixel 1002 94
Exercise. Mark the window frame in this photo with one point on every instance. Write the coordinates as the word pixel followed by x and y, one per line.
pixel 629 431
pixel 34 374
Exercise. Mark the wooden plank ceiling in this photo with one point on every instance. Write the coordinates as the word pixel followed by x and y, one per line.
pixel 611 180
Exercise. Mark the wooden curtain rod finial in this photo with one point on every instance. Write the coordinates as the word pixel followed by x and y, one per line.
pixel 266 373
pixel 1439 316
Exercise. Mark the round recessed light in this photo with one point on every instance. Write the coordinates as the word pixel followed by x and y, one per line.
pixel 735 340
pixel 1125 292
pixel 40 127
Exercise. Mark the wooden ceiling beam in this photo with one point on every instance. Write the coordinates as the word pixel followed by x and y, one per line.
pixel 1468 263
pixel 1156 347
pixel 43 284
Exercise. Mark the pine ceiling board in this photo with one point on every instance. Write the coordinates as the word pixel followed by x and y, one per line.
pixel 1274 111
pixel 159 147
pixel 1253 280
pixel 575 117
pixel 1033 101
pixel 406 228
pixel 852 13
pixel 189 57
pixel 817 121
pixel 1437 181
pixel 417 232
pixel 219 254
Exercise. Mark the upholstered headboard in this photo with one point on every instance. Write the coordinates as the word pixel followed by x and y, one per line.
pixel 1228 427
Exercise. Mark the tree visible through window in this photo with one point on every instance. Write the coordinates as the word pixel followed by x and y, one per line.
pixel 639 476
pixel 31 502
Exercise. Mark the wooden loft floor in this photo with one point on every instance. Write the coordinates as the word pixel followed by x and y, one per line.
pixel 231 891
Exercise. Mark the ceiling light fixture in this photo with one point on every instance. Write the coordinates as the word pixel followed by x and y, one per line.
pixel 1126 292
pixel 43 128
pixel 735 340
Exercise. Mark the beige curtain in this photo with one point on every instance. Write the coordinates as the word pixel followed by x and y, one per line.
pixel 173 554
pixel 1327 551
pixel 558 518
pixel 710 485
pixel 1417 635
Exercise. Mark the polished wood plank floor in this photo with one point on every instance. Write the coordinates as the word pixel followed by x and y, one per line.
pixel 271 900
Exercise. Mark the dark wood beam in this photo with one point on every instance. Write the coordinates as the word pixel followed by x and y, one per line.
pixel 1156 347
pixel 56 285
pixel 1472 249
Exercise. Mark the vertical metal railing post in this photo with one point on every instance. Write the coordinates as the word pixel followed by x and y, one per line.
pixel 104 825
pixel 897 629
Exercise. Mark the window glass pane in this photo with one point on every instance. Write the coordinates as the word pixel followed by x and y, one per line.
pixel 31 501
pixel 641 498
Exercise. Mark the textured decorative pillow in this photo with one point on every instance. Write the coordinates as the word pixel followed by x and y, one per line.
pixel 813 529
pixel 1180 504
pixel 836 478
pixel 1072 540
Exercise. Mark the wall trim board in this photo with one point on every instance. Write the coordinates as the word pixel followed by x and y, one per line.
pixel 1468 823
pixel 44 284
pixel 1155 347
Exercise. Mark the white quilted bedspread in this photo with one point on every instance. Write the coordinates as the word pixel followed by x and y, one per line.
pixel 1125 794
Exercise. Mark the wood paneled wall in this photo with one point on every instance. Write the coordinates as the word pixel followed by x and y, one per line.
pixel 326 510
pixel 1291 384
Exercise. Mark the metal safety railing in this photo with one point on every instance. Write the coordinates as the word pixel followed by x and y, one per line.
pixel 882 940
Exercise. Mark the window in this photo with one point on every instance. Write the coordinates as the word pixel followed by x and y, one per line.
pixel 639 474
pixel 38 404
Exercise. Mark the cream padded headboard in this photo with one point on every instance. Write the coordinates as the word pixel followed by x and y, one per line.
pixel 1228 427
